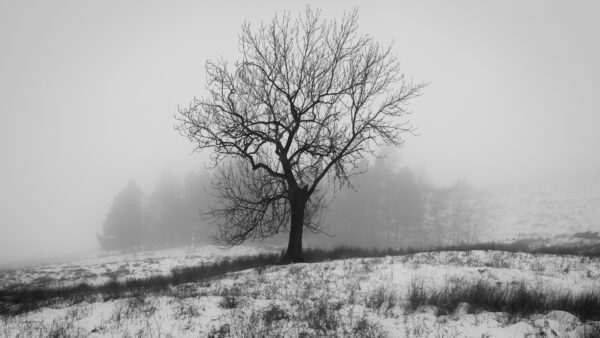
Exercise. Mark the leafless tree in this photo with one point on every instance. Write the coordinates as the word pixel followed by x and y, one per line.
pixel 307 100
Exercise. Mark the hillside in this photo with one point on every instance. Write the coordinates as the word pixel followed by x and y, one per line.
pixel 369 297
pixel 542 209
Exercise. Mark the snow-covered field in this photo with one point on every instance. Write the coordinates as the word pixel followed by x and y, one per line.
pixel 354 297
pixel 109 265
pixel 542 210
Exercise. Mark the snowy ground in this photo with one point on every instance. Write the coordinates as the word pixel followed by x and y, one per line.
pixel 544 209
pixel 108 265
pixel 353 297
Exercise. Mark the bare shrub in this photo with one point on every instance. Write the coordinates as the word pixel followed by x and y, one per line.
pixel 222 332
pixel 140 305
pixel 354 288
pixel 381 297
pixel 366 329
pixel 274 313
pixel 230 297
pixel 514 299
pixel 323 317
pixel 184 310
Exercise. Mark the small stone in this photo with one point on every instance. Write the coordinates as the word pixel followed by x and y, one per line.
pixel 462 309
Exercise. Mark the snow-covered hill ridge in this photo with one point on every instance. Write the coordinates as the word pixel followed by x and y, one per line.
pixel 541 210
pixel 345 298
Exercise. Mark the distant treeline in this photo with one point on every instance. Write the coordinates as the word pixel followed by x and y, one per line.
pixel 169 216
pixel 398 208
pixel 386 207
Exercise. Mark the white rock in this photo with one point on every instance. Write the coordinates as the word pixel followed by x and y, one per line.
pixel 462 309
pixel 554 325
pixel 520 329
pixel 567 321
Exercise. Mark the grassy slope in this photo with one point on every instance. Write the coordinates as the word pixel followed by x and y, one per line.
pixel 20 299
pixel 412 294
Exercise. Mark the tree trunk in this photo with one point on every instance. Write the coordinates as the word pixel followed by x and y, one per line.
pixel 298 199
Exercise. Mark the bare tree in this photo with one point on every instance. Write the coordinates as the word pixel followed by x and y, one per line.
pixel 306 101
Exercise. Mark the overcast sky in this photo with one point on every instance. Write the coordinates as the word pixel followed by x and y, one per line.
pixel 89 89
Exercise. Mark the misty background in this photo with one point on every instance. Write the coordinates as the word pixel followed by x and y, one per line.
pixel 89 91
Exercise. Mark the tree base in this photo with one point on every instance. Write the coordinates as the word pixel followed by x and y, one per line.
pixel 291 259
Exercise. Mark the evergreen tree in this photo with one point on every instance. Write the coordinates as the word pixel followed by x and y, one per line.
pixel 195 203
pixel 168 212
pixel 123 226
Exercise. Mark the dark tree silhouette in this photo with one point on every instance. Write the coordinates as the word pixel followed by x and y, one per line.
pixel 307 100
pixel 169 224
pixel 196 199
pixel 389 200
pixel 123 224
pixel 172 211
pixel 454 215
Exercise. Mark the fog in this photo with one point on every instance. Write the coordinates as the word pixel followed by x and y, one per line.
pixel 89 90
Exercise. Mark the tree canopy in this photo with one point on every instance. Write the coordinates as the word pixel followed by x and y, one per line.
pixel 305 102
